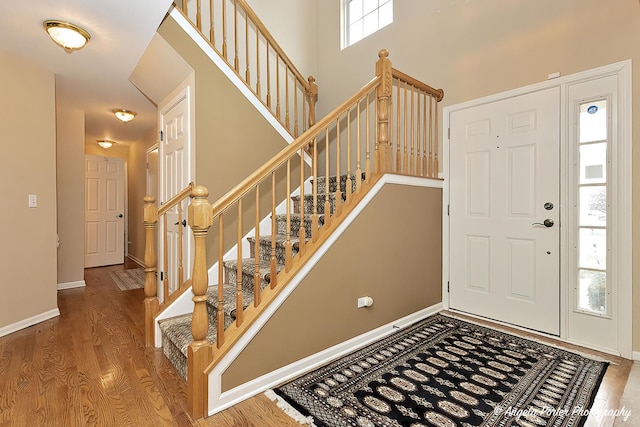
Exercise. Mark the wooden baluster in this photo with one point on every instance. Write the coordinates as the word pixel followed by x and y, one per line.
pixel 180 244
pixel 286 97
pixel 314 218
pixel 184 7
pixel 224 30
pixel 367 166
pixel 278 88
pixel 239 299
pixel 258 63
pixel 287 245
pixel 435 142
pixel 273 272
pixel 348 190
pixel 405 162
pixel 398 139
pixel 268 78
pixel 412 159
pixel 212 33
pixel 256 248
pixel 430 163
pixel 199 15
pixel 338 150
pixel 220 311
pixel 304 112
pixel 312 97
pixel 383 159
pixel 165 253
pixel 302 235
pixel 327 204
pixel 425 141
pixel 236 61
pixel 246 49
pixel 418 158
pixel 151 304
pixel 295 110
pixel 199 351
pixel 358 169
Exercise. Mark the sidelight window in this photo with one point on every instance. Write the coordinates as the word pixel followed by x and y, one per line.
pixel 593 159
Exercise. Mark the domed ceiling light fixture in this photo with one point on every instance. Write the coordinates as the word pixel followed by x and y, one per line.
pixel 105 143
pixel 125 115
pixel 66 35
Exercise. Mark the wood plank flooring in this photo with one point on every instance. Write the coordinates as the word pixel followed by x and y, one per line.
pixel 89 366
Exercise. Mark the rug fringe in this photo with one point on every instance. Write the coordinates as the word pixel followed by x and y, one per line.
pixel 517 333
pixel 288 409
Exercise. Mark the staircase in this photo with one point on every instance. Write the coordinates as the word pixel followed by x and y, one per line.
pixel 176 331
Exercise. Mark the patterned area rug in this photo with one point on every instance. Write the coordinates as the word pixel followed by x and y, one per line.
pixel 128 279
pixel 446 372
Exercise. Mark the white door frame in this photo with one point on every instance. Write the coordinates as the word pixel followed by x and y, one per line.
pixel 185 89
pixel 623 213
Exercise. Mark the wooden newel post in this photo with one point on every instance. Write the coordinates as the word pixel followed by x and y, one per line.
pixel 383 154
pixel 312 99
pixel 199 352
pixel 151 304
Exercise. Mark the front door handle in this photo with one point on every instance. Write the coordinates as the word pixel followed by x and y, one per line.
pixel 547 223
pixel 184 223
pixel 119 216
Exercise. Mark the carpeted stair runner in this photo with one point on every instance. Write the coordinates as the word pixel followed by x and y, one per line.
pixel 176 331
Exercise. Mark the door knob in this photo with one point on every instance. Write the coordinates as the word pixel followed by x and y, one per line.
pixel 184 223
pixel 119 216
pixel 547 223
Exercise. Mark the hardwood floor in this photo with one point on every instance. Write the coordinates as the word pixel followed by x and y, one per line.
pixel 89 366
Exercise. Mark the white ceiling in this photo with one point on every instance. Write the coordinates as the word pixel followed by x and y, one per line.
pixel 94 79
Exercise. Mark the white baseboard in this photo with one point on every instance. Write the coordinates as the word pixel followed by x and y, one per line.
pixel 25 323
pixel 267 381
pixel 136 260
pixel 636 355
pixel 71 285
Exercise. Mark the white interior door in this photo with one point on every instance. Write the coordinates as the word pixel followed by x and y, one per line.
pixel 504 210
pixel 104 211
pixel 174 153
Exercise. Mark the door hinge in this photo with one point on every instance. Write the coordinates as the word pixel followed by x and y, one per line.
pixel 448 210
pixel 448 283
pixel 448 133
pixel 161 136
pixel 161 276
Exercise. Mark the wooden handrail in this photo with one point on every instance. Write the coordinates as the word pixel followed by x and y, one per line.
pixel 437 93
pixel 259 174
pixel 186 192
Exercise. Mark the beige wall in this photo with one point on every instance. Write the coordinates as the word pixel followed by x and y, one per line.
pixel 477 48
pixel 70 194
pixel 27 166
pixel 390 253
pixel 137 184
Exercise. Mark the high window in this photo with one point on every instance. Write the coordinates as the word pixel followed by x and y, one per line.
pixel 364 17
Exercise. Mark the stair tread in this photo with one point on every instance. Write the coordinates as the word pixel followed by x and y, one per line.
pixel 229 295
pixel 249 264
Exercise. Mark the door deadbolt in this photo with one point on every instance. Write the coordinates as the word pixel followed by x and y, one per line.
pixel 548 206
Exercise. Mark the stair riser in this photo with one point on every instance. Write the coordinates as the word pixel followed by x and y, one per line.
pixel 281 225
pixel 175 356
pixel 322 187
pixel 308 204
pixel 265 250
pixel 247 279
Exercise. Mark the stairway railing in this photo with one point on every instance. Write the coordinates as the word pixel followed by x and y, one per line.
pixel 154 302
pixel 236 33
pixel 363 138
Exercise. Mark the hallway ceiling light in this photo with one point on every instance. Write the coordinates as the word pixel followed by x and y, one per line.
pixel 125 115
pixel 105 143
pixel 68 36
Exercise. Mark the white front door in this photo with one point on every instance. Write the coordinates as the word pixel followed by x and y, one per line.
pixel 504 210
pixel 104 211
pixel 174 153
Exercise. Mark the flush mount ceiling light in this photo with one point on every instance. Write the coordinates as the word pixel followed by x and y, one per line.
pixel 68 36
pixel 105 143
pixel 125 115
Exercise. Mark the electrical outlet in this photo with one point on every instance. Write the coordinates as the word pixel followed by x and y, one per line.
pixel 365 302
